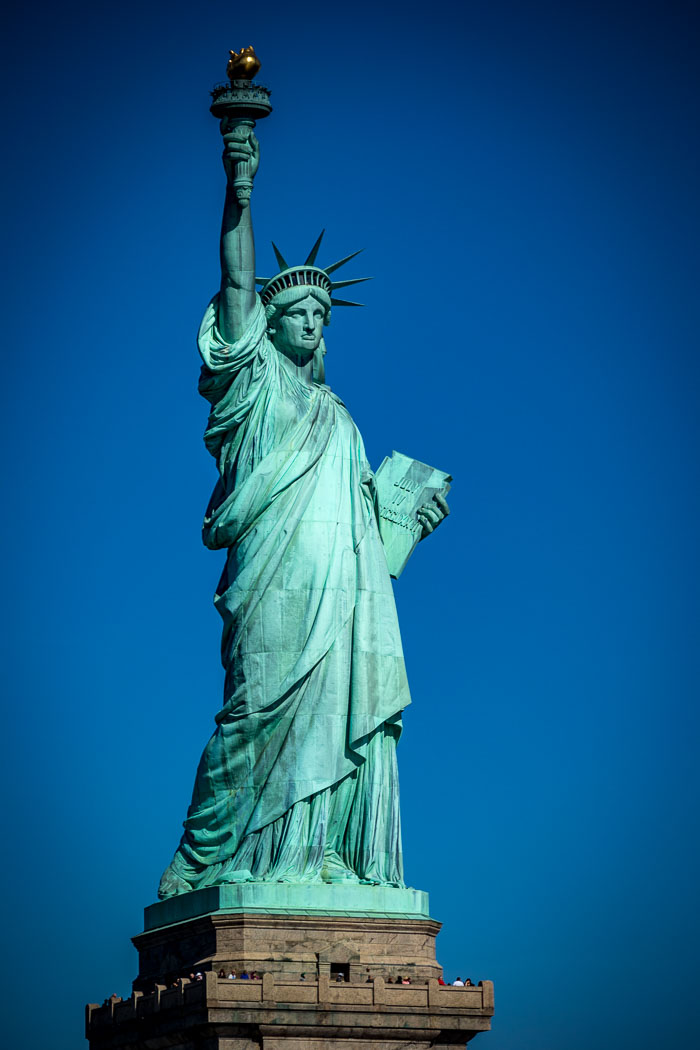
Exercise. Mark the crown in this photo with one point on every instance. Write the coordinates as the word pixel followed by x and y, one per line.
pixel 307 275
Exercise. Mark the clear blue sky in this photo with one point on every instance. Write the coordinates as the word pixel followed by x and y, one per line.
pixel 524 180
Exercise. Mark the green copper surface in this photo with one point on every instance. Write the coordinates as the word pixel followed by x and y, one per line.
pixel 272 898
pixel 297 790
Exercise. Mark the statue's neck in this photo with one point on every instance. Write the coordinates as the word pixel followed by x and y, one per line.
pixel 300 366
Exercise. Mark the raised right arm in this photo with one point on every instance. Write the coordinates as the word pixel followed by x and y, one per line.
pixel 237 298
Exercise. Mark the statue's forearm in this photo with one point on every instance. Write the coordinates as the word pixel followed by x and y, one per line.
pixel 237 299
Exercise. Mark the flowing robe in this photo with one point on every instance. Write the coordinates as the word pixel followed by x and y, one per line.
pixel 299 780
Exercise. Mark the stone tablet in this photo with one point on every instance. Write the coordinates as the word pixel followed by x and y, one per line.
pixel 404 485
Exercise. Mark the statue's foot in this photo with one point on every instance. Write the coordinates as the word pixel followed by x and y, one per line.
pixel 235 877
pixel 383 882
pixel 335 871
pixel 298 880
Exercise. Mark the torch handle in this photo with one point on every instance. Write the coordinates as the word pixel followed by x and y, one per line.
pixel 243 179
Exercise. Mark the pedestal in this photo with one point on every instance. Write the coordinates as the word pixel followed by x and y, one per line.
pixel 346 1001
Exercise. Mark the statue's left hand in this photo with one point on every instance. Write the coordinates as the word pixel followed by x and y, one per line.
pixel 431 514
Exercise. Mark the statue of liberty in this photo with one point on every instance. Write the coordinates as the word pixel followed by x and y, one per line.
pixel 299 782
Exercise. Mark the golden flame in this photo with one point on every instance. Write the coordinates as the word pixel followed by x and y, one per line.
pixel 242 65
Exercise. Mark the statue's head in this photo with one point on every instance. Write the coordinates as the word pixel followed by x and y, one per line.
pixel 292 302
pixel 298 304
pixel 295 320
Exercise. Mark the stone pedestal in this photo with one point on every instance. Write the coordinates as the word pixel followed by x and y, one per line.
pixel 345 1002
pixel 288 945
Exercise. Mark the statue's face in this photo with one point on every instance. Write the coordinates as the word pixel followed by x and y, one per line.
pixel 300 328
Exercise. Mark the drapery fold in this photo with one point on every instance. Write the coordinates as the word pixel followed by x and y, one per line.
pixel 315 677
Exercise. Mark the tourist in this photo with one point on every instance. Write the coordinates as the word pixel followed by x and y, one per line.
pixel 459 983
pixel 245 976
pixel 303 977
pixel 222 973
pixel 441 980
pixel 406 980
pixel 390 980
pixel 232 975
pixel 339 978
pixel 468 983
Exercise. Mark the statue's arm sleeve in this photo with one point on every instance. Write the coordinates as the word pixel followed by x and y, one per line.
pixel 224 361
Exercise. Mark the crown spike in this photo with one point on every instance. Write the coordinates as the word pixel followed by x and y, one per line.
pixel 337 265
pixel 344 302
pixel 311 258
pixel 281 261
pixel 346 284
pixel 262 280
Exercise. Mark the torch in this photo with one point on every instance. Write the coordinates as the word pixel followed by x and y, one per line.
pixel 239 104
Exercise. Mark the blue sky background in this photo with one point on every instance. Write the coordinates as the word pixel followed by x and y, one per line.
pixel 524 180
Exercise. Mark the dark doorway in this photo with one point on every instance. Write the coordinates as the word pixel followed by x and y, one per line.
pixel 340 968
